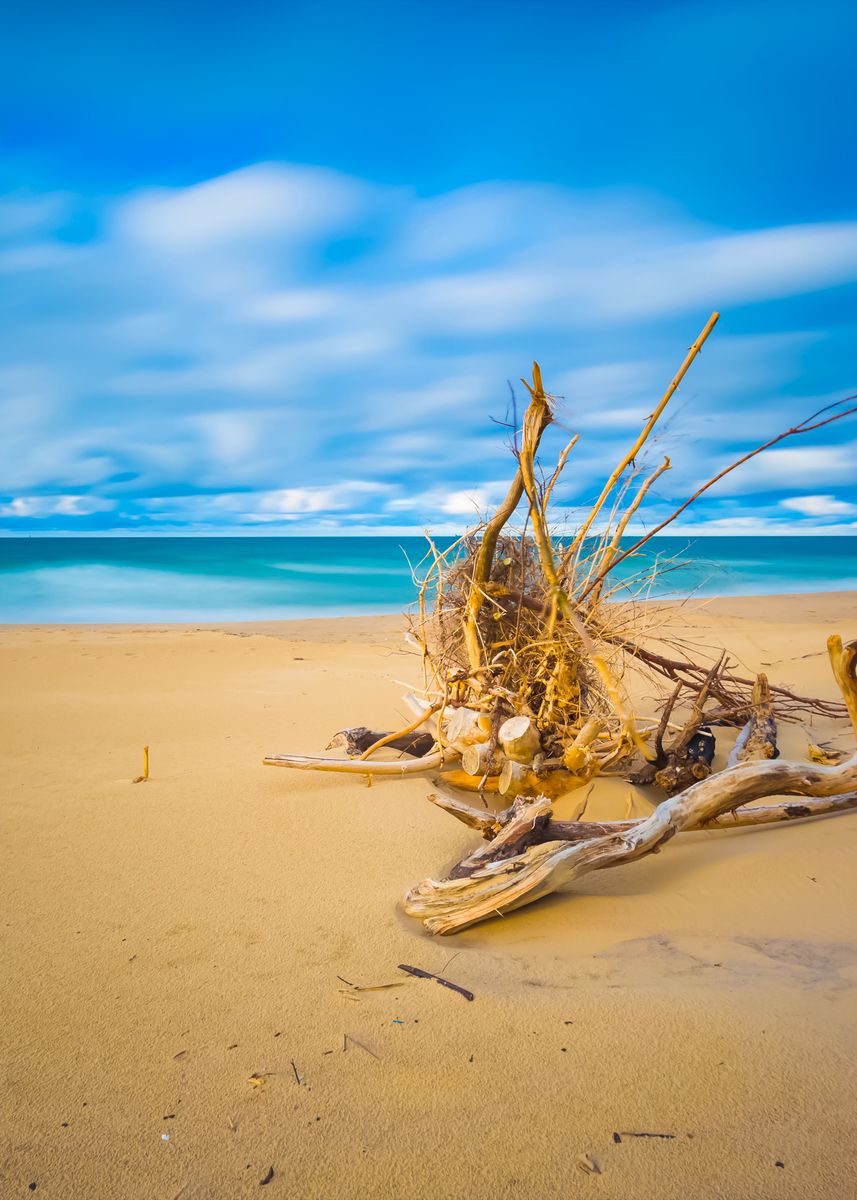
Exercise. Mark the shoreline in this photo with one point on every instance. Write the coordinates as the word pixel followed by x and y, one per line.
pixel 832 602
pixel 167 943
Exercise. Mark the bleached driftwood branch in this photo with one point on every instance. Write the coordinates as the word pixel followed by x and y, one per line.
pixel 449 905
pixel 524 825
pixel 355 766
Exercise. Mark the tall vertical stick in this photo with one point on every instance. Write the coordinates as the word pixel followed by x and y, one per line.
pixel 646 430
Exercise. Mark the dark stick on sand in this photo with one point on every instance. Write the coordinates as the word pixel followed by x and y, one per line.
pixel 437 978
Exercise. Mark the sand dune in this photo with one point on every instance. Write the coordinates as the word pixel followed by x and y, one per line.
pixel 174 953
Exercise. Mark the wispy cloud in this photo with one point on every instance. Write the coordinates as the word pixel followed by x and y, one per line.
pixel 247 207
pixel 819 506
pixel 55 506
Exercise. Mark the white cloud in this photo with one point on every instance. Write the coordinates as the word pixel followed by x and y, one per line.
pixel 565 256
pixel 467 502
pixel 717 271
pixel 334 498
pixel 55 506
pixel 475 219
pixel 819 506
pixel 295 305
pixel 279 504
pixel 780 470
pixel 759 527
pixel 251 204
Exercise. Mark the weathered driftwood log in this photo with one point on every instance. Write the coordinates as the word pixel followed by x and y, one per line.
pixel 516 778
pixel 449 905
pixel 358 740
pixel 482 759
pixel 758 739
pixel 429 759
pixel 514 830
pixel 525 820
pixel 464 727
pixel 482 819
pixel 468 783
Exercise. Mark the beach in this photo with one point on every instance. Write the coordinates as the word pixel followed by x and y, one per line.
pixel 179 957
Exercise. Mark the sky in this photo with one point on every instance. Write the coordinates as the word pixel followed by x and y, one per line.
pixel 278 268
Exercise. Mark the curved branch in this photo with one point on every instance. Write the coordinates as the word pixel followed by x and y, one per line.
pixel 803 427
pixel 453 904
pixel 545 829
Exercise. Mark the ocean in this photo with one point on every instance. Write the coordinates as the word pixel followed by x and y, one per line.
pixel 134 579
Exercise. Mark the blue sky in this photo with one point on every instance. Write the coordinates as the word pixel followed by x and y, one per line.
pixel 267 268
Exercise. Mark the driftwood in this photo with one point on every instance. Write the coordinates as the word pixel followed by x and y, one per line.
pixel 515 830
pixel 520 739
pixel 526 646
pixel 352 766
pixel 691 754
pixel 758 739
pixel 358 740
pixel 453 904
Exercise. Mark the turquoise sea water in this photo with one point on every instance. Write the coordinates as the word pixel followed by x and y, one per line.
pixel 65 580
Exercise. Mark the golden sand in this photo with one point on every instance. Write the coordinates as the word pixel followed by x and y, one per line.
pixel 165 943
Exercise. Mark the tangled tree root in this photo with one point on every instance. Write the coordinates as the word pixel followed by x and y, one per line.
pixel 525 644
